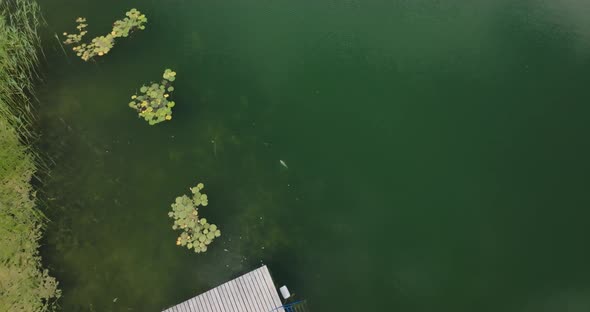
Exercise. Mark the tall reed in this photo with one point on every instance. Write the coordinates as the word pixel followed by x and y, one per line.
pixel 24 284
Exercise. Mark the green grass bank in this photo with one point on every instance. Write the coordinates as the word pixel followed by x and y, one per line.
pixel 24 284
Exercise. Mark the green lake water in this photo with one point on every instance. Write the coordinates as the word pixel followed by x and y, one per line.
pixel 438 153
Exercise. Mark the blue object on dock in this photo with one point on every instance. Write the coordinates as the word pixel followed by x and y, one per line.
pixel 297 306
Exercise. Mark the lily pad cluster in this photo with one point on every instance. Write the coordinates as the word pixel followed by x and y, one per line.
pixel 101 45
pixel 134 20
pixel 152 102
pixel 197 233
pixel 75 38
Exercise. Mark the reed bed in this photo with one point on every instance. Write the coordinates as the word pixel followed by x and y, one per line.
pixel 24 284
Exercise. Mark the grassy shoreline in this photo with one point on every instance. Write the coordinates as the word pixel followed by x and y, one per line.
pixel 24 284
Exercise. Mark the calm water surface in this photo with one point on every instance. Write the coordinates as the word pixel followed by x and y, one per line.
pixel 437 150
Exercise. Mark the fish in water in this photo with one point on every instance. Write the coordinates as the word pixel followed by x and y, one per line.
pixel 283 164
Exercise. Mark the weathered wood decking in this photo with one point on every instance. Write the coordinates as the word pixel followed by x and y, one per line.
pixel 251 292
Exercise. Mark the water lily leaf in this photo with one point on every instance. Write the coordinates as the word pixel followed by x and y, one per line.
pixel 197 233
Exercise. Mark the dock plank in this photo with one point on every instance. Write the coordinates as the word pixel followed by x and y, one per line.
pixel 241 290
pixel 224 300
pixel 211 305
pixel 199 304
pixel 265 291
pixel 191 305
pixel 217 293
pixel 213 301
pixel 186 307
pixel 271 287
pixel 234 297
pixel 220 304
pixel 265 299
pixel 251 292
pixel 202 303
pixel 226 303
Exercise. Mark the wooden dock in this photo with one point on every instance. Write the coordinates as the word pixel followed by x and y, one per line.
pixel 252 292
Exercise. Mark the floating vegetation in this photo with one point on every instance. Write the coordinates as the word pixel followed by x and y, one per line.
pixel 197 233
pixel 75 38
pixel 101 45
pixel 134 20
pixel 152 103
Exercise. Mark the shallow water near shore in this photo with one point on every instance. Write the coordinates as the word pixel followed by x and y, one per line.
pixel 437 153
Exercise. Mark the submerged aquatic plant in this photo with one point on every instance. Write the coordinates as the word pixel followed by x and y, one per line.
pixel 101 45
pixel 152 102
pixel 197 233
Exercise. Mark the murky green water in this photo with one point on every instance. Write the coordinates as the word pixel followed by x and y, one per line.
pixel 437 151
